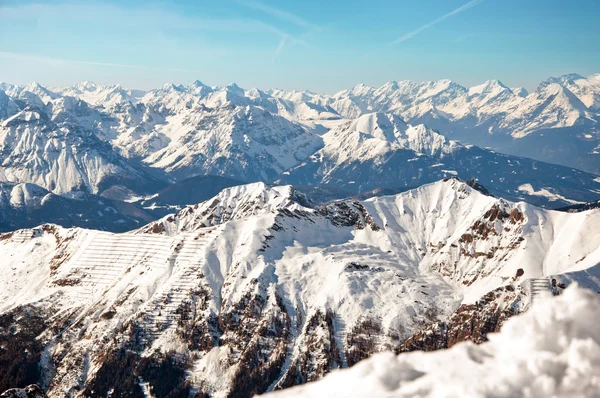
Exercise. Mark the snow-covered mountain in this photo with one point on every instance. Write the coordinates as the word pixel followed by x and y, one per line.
pixel 247 143
pixel 490 114
pixel 378 149
pixel 108 146
pixel 27 205
pixel 96 94
pixel 551 333
pixel 258 289
pixel 51 146
pixel 200 130
pixel 587 89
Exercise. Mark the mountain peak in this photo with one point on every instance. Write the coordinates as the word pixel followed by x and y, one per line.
pixel 520 92
pixel 492 87
pixel 34 86
pixel 571 76
pixel 234 86
pixel 563 79
pixel 199 88
pixel 172 87
pixel 391 85
pixel 232 203
pixel 86 86
pixel 197 83
pixel 255 93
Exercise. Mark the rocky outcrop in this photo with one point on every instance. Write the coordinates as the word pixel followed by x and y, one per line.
pixel 20 348
pixel 470 322
pixel 319 353
pixel 31 391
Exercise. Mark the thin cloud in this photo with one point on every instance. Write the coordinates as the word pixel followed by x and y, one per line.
pixel 144 16
pixel 71 62
pixel 415 32
pixel 283 15
pixel 53 60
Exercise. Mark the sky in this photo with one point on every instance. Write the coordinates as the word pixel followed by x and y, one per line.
pixel 322 46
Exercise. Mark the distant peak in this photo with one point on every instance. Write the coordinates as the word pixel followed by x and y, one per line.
pixel 520 92
pixel 256 93
pixel 495 82
pixel 392 84
pixel 234 86
pixel 198 83
pixel 35 86
pixel 86 84
pixel 489 87
pixel 361 87
pixel 571 76
pixel 172 87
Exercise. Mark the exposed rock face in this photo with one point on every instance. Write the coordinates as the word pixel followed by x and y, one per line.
pixel 362 340
pixel 319 353
pixel 31 391
pixel 20 349
pixel 470 322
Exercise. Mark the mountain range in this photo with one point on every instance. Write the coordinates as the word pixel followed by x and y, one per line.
pixel 259 288
pixel 129 145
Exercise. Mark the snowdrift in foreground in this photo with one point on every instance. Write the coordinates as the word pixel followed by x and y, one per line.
pixel 553 350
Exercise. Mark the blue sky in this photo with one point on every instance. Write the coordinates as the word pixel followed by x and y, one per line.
pixel 323 46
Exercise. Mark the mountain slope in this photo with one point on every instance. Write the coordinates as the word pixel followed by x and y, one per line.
pixel 550 333
pixel 257 289
pixel 51 151
pixel 247 143
pixel 381 150
pixel 28 205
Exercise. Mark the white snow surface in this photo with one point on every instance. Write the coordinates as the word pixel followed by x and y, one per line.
pixel 373 135
pixel 553 350
pixel 414 261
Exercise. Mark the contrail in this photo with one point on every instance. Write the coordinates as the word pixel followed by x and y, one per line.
pixel 279 48
pixel 284 16
pixel 278 13
pixel 415 32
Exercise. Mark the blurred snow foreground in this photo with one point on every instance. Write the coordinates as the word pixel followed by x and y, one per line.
pixel 553 350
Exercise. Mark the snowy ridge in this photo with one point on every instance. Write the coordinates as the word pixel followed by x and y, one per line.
pixel 258 272
pixel 233 203
pixel 378 150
